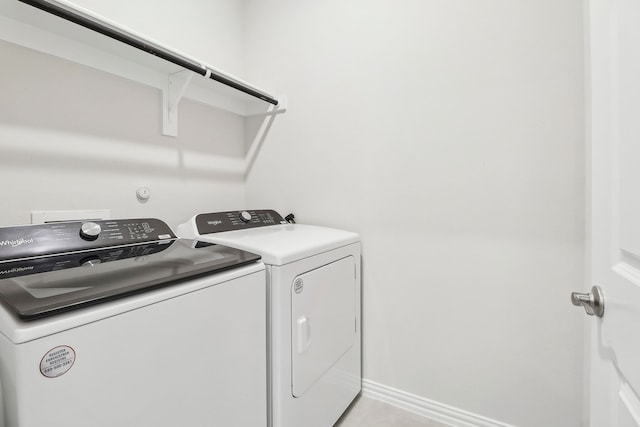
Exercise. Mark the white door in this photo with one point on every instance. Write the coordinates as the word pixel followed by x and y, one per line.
pixel 614 115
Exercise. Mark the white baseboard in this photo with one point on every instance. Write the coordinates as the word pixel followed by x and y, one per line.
pixel 427 408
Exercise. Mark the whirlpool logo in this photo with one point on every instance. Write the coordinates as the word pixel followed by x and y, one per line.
pixel 16 243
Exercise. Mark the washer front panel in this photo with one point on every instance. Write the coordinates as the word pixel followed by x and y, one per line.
pixel 195 359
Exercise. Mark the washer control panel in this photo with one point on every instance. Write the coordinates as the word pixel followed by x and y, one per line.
pixel 217 222
pixel 57 237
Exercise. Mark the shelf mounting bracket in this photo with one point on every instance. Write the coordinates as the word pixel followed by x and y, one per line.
pixel 177 84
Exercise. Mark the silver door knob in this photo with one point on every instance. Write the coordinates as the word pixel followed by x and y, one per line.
pixel 592 302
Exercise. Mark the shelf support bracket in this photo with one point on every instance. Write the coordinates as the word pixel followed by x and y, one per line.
pixel 257 126
pixel 177 84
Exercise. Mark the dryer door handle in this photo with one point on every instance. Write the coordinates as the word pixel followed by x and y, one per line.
pixel 303 334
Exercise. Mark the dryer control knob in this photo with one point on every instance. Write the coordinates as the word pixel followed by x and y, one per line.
pixel 90 230
pixel 245 216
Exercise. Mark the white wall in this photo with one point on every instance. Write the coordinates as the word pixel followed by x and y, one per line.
pixel 209 30
pixel 449 134
pixel 75 138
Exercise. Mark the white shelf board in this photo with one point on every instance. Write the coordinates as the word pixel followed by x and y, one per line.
pixel 32 28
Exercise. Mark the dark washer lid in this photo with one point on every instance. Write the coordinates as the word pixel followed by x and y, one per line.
pixel 43 285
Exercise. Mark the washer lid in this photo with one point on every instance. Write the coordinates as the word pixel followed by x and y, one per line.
pixel 42 286
pixel 286 243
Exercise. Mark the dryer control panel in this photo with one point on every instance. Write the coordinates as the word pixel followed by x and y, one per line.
pixel 217 222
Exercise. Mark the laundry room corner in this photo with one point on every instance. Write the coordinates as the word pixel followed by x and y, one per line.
pixel 449 135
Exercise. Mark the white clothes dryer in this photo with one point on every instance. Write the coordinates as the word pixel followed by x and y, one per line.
pixel 313 309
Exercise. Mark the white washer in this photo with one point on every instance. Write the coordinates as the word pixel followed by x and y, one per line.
pixel 313 283
pixel 118 323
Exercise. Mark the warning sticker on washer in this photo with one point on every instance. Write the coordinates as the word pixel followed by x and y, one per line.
pixel 57 361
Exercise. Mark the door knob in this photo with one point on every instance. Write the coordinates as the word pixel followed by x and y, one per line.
pixel 593 302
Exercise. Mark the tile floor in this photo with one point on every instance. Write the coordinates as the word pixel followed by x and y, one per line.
pixel 366 412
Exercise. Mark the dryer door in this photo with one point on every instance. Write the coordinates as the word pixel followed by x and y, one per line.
pixel 323 320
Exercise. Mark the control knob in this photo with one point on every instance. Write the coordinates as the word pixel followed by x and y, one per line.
pixel 245 216
pixel 90 230
pixel 90 261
